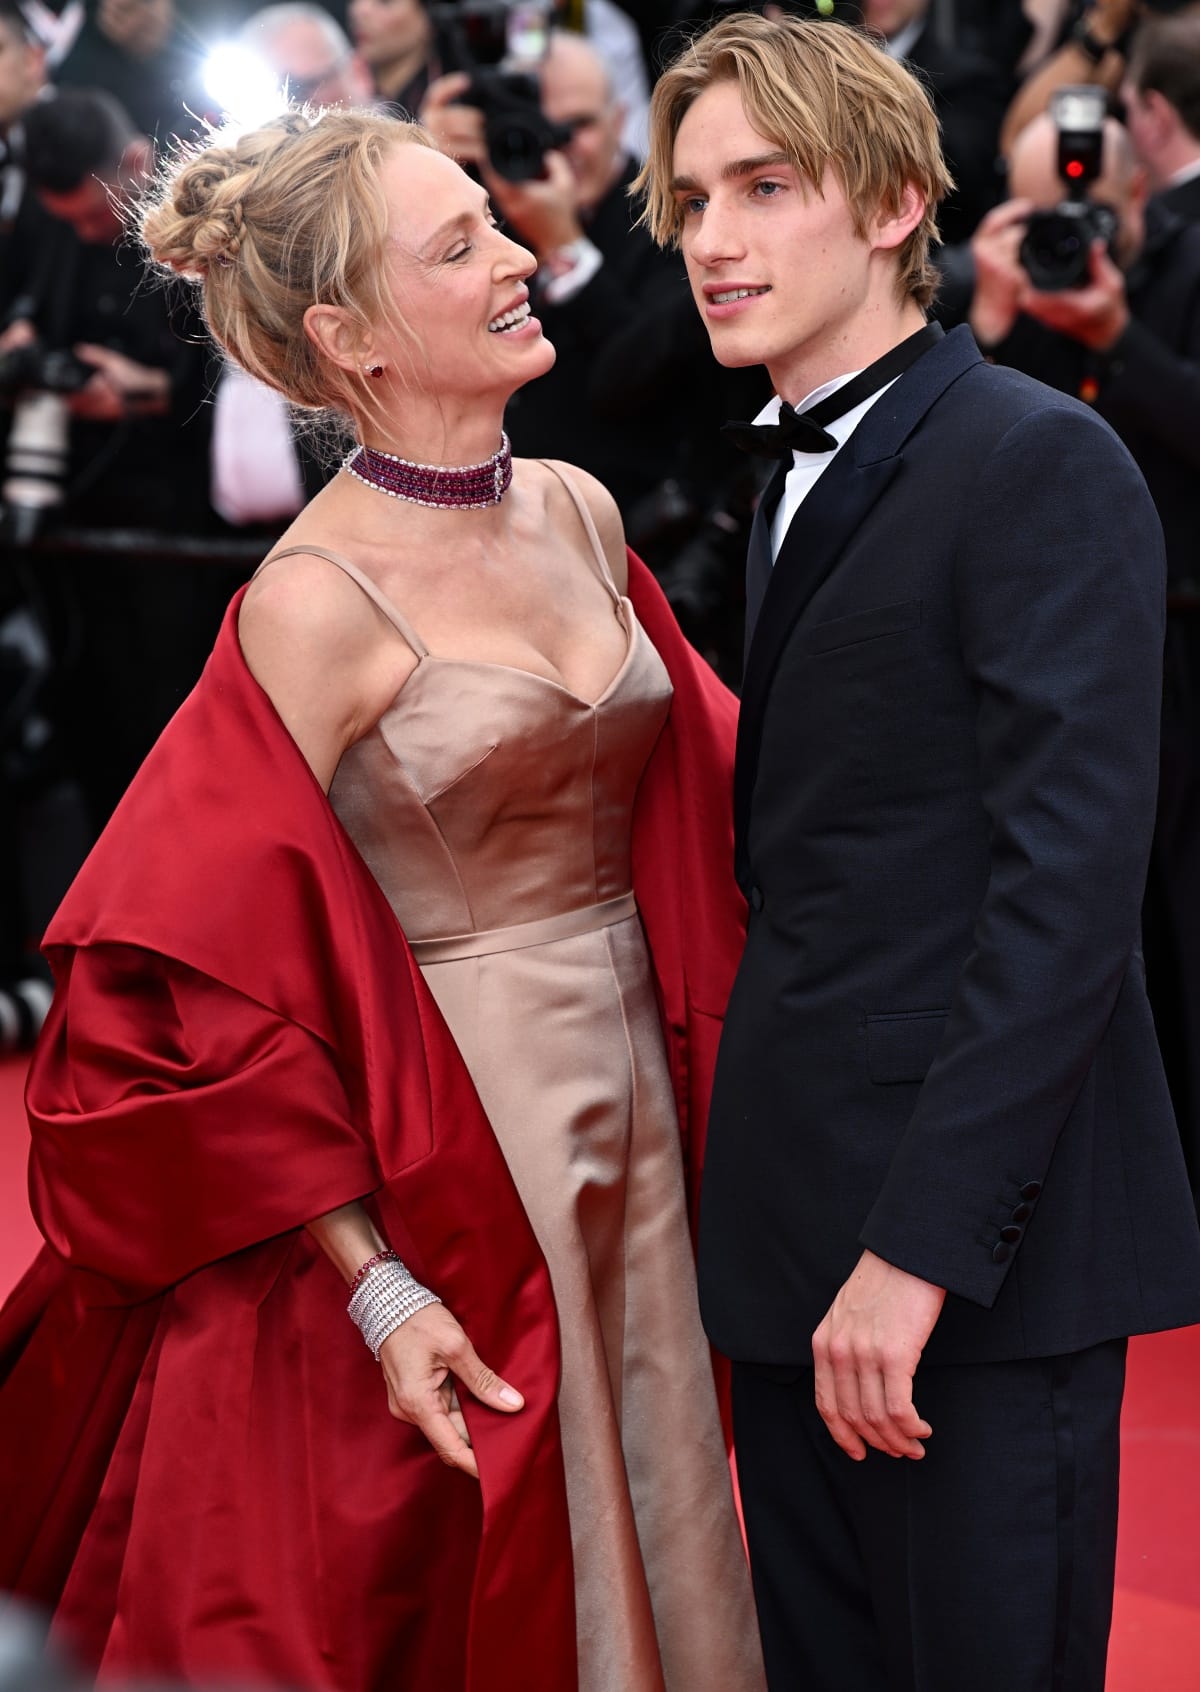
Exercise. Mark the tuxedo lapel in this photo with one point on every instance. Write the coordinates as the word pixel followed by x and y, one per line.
pixel 758 557
pixel 819 534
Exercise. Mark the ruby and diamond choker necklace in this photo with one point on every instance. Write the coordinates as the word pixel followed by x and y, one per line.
pixel 467 487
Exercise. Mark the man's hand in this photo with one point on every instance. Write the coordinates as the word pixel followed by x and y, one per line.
pixel 1096 314
pixel 457 129
pixel 1000 279
pixel 120 388
pixel 18 334
pixel 543 213
pixel 866 1353
pixel 421 1360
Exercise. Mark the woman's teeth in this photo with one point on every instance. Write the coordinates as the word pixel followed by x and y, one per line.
pixel 510 320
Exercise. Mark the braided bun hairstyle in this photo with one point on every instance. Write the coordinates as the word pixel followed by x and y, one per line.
pixel 273 221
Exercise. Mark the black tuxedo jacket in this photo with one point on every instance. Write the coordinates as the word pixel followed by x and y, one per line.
pixel 1183 200
pixel 938 1045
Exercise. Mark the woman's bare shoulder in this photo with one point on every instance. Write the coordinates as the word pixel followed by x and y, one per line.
pixel 322 652
pixel 603 508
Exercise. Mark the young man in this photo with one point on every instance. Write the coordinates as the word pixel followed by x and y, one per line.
pixel 941 1145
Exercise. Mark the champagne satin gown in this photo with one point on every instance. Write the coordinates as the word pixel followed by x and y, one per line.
pixel 494 808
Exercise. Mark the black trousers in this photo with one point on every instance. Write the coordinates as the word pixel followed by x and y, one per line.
pixel 985 1567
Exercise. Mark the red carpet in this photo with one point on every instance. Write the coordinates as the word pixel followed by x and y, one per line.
pixel 1156 1629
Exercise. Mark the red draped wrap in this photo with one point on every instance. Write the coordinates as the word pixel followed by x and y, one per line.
pixel 201 1478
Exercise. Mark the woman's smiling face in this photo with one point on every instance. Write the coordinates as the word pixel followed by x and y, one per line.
pixel 458 283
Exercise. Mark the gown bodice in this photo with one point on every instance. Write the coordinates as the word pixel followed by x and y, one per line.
pixel 487 796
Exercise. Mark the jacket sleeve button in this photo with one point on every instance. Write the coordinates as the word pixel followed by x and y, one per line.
pixel 1001 1253
pixel 1031 1190
pixel 756 898
pixel 1011 1233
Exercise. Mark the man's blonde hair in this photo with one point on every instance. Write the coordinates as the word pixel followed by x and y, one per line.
pixel 825 95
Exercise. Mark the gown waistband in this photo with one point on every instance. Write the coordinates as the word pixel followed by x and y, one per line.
pixel 565 926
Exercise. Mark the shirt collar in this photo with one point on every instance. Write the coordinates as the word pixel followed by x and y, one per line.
pixel 1187 174
pixel 900 45
pixel 770 411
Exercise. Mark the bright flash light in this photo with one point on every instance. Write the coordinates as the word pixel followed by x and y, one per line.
pixel 242 85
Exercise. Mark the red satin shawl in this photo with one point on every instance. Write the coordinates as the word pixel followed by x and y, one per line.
pixel 201 1479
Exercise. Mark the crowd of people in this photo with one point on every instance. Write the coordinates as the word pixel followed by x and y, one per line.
pixel 411 951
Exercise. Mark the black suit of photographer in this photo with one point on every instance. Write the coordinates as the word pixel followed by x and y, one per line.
pixel 1183 199
pixel 558 415
pixel 131 632
pixel 1147 386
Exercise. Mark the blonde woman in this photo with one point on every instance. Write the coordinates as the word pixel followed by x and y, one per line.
pixel 435 710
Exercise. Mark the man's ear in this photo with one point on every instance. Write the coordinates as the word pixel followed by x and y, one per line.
pixel 336 337
pixel 1162 113
pixel 891 229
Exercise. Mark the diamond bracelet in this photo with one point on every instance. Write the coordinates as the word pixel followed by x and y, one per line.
pixel 384 1298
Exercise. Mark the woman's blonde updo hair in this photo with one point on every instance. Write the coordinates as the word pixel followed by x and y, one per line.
pixel 273 221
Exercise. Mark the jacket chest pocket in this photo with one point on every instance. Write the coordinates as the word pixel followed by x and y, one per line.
pixel 863 626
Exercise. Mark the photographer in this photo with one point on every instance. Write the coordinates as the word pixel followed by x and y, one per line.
pixel 130 372
pixel 30 240
pixel 83 157
pixel 1128 340
pixel 1162 104
pixel 134 50
pixel 597 271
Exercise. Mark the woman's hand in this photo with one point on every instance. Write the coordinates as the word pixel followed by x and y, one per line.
pixel 418 1360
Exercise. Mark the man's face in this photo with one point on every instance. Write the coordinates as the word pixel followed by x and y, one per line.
pixel 387 30
pixel 576 91
pixel 316 73
pixel 22 71
pixel 90 209
pixel 139 27
pixel 777 269
pixel 888 16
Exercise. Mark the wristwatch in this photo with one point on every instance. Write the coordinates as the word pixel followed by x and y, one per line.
pixel 1090 45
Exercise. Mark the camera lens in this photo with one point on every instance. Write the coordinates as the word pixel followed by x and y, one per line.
pixel 1056 246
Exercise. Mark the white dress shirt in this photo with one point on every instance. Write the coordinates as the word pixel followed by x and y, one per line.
pixel 255 473
pixel 807 466
pixel 1185 174
pixel 900 45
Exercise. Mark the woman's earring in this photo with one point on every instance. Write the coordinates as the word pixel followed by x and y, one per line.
pixel 375 370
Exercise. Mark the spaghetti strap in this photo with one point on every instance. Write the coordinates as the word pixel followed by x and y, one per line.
pixel 585 517
pixel 399 623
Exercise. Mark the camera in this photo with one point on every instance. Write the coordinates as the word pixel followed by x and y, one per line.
pixel 37 380
pixel 1057 245
pixel 44 370
pixel 517 131
pixel 478 36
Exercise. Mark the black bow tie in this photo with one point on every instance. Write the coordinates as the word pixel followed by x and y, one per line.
pixel 805 431
pixel 796 431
